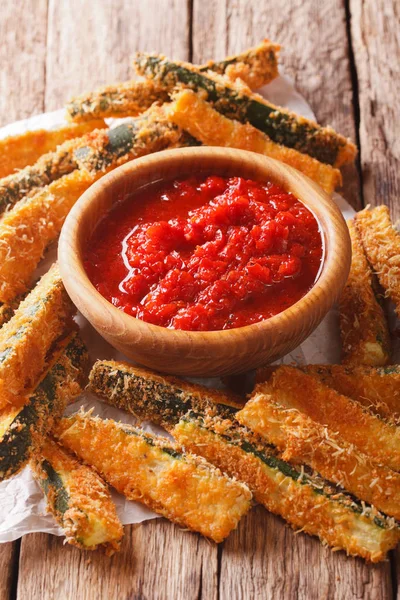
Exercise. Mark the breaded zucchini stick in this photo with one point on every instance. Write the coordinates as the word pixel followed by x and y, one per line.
pixel 378 389
pixel 18 151
pixel 22 428
pixel 305 441
pixel 363 327
pixel 382 246
pixel 293 389
pixel 7 310
pixel 151 395
pixel 78 498
pixel 306 501
pixel 31 226
pixel 237 102
pixel 154 471
pixel 195 115
pixel 27 338
pixel 256 67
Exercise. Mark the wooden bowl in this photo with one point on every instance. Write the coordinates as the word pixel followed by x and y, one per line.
pixel 215 352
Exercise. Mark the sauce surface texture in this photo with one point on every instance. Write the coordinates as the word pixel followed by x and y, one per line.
pixel 205 253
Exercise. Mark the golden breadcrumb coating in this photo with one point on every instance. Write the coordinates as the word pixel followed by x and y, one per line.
pixel 363 327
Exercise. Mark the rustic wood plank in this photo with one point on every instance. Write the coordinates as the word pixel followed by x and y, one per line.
pixel 375 30
pixel 315 53
pixel 8 569
pixel 157 561
pixel 22 59
pixel 90 46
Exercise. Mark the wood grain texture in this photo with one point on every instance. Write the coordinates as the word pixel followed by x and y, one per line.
pixel 158 561
pixel 314 52
pixel 375 27
pixel 22 77
pixel 90 44
pixel 8 569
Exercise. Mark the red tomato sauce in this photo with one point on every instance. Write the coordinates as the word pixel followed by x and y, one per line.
pixel 205 253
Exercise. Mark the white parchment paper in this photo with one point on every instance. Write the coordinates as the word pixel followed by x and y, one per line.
pixel 22 506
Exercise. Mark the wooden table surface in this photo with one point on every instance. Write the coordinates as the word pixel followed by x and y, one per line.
pixel 344 56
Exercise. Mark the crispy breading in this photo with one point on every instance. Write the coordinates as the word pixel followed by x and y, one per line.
pixel 7 310
pixel 31 226
pixel 363 327
pixel 382 246
pixel 160 398
pixel 18 151
pixel 23 428
pixel 78 498
pixel 378 389
pixel 305 441
pixel 27 338
pixel 379 440
pixel 195 115
pixel 155 472
pixel 307 502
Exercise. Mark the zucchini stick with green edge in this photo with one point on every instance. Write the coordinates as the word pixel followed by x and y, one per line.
pixel 197 117
pixel 78 498
pixel 306 501
pixel 303 441
pixel 154 396
pixel 381 243
pixel 237 102
pixel 26 339
pixel 256 67
pixel 363 327
pixel 376 438
pixel 22 429
pixel 376 388
pixel 18 151
pixel 32 225
pixel 156 472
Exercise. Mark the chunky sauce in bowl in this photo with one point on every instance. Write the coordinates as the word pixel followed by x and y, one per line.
pixel 205 253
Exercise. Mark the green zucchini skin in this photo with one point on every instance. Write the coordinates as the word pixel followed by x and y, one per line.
pixel 23 428
pixel 161 399
pixel 281 126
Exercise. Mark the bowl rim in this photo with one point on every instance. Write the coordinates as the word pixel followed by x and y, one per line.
pixel 336 248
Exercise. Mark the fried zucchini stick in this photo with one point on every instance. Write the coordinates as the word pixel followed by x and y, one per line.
pixel 151 395
pixel 27 338
pixel 363 327
pixel 378 389
pixel 22 429
pixel 18 151
pixel 211 128
pixel 382 246
pixel 78 498
pixel 237 102
pixel 256 67
pixel 154 471
pixel 293 389
pixel 306 501
pixel 7 310
pixel 303 441
pixel 32 225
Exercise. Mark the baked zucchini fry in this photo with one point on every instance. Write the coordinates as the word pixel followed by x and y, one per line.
pixel 294 389
pixel 195 115
pixel 155 472
pixel 306 501
pixel 303 441
pixel 363 327
pixel 31 226
pixel 78 498
pixel 378 389
pixel 256 66
pixel 382 246
pixel 18 151
pixel 22 429
pixel 148 395
pixel 237 102
pixel 27 338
